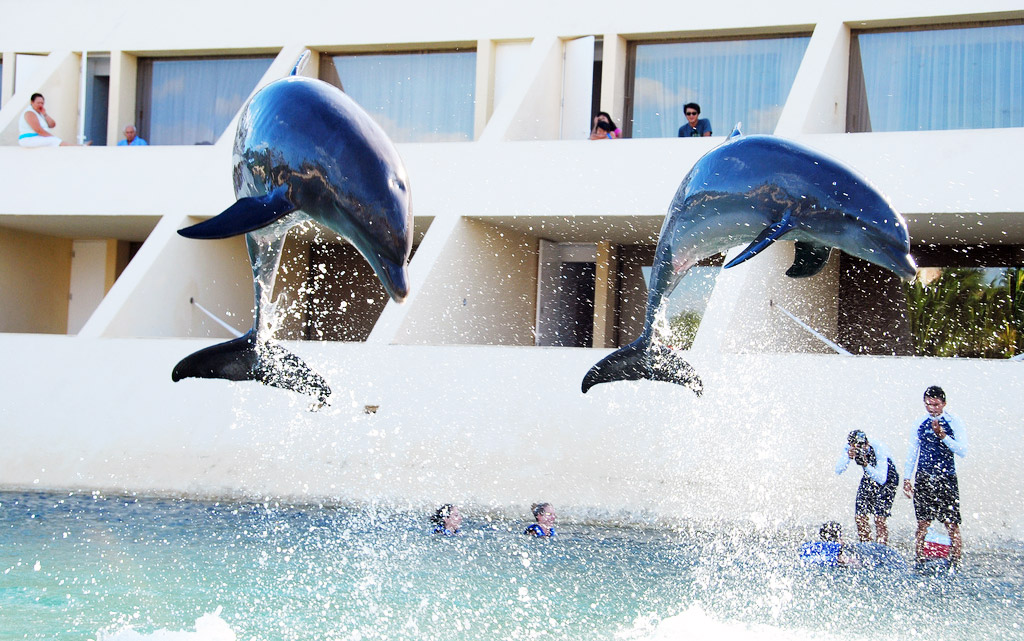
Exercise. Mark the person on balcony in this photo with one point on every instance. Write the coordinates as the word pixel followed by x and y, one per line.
pixel 131 139
pixel 695 127
pixel 604 128
pixel 35 126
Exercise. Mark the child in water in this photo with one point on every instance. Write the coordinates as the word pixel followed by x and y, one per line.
pixel 545 516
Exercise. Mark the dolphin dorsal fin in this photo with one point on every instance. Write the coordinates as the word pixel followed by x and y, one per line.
pixel 736 133
pixel 300 64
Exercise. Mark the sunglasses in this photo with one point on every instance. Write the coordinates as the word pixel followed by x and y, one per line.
pixel 691 113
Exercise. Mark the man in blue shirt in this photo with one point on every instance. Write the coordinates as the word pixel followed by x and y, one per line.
pixel 695 126
pixel 935 438
pixel 130 139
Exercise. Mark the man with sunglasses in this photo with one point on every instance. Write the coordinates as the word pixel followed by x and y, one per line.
pixel 695 126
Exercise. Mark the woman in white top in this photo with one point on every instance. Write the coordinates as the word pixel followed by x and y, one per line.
pixel 35 126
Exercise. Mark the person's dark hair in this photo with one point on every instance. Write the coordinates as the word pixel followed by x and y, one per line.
pixel 830 532
pixel 857 437
pixel 36 95
pixel 441 514
pixel 537 508
pixel 606 126
pixel 692 105
pixel 935 392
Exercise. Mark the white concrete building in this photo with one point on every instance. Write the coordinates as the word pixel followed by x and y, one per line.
pixel 469 391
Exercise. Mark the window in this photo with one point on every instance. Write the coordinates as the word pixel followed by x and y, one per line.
pixel 414 97
pixel 190 101
pixel 937 79
pixel 968 301
pixel 732 80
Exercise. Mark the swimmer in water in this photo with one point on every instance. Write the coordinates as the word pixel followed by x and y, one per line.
pixel 447 520
pixel 829 551
pixel 545 516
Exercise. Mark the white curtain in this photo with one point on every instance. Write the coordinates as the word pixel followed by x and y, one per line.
pixel 732 80
pixel 419 97
pixel 944 79
pixel 192 101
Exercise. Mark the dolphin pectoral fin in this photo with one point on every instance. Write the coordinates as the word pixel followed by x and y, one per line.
pixel 642 361
pixel 246 215
pixel 246 359
pixel 808 259
pixel 768 235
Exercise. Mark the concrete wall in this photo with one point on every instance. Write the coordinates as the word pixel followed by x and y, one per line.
pixel 36 279
pixel 484 293
pixel 759 446
pixel 152 297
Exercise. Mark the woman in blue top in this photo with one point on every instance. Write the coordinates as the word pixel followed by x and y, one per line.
pixel 447 520
pixel 545 516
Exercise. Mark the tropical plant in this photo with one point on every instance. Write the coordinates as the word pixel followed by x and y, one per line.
pixel 965 313
pixel 683 329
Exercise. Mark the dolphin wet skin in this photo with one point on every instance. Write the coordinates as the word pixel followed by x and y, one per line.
pixel 757 189
pixel 305 151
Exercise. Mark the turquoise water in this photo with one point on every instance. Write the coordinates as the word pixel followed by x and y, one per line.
pixel 79 567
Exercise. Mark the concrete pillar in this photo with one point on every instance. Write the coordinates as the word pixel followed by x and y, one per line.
pixel 604 295
pixel 485 52
pixel 613 76
pixel 121 110
pixel 817 99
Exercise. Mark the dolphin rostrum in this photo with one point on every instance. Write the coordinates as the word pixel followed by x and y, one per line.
pixel 757 189
pixel 304 151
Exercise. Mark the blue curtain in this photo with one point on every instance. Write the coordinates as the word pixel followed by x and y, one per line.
pixel 418 97
pixel 192 101
pixel 944 79
pixel 733 81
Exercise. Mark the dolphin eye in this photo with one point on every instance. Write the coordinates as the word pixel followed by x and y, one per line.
pixel 397 183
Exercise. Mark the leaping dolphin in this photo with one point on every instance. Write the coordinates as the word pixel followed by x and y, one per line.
pixel 757 189
pixel 304 151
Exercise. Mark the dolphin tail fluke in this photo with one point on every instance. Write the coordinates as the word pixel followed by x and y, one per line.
pixel 246 359
pixel 769 235
pixel 246 215
pixel 808 259
pixel 640 360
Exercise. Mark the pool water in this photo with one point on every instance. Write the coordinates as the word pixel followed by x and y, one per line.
pixel 83 566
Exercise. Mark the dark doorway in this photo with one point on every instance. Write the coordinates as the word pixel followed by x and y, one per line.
pixel 575 305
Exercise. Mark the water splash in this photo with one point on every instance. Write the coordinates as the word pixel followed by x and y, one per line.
pixel 209 627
